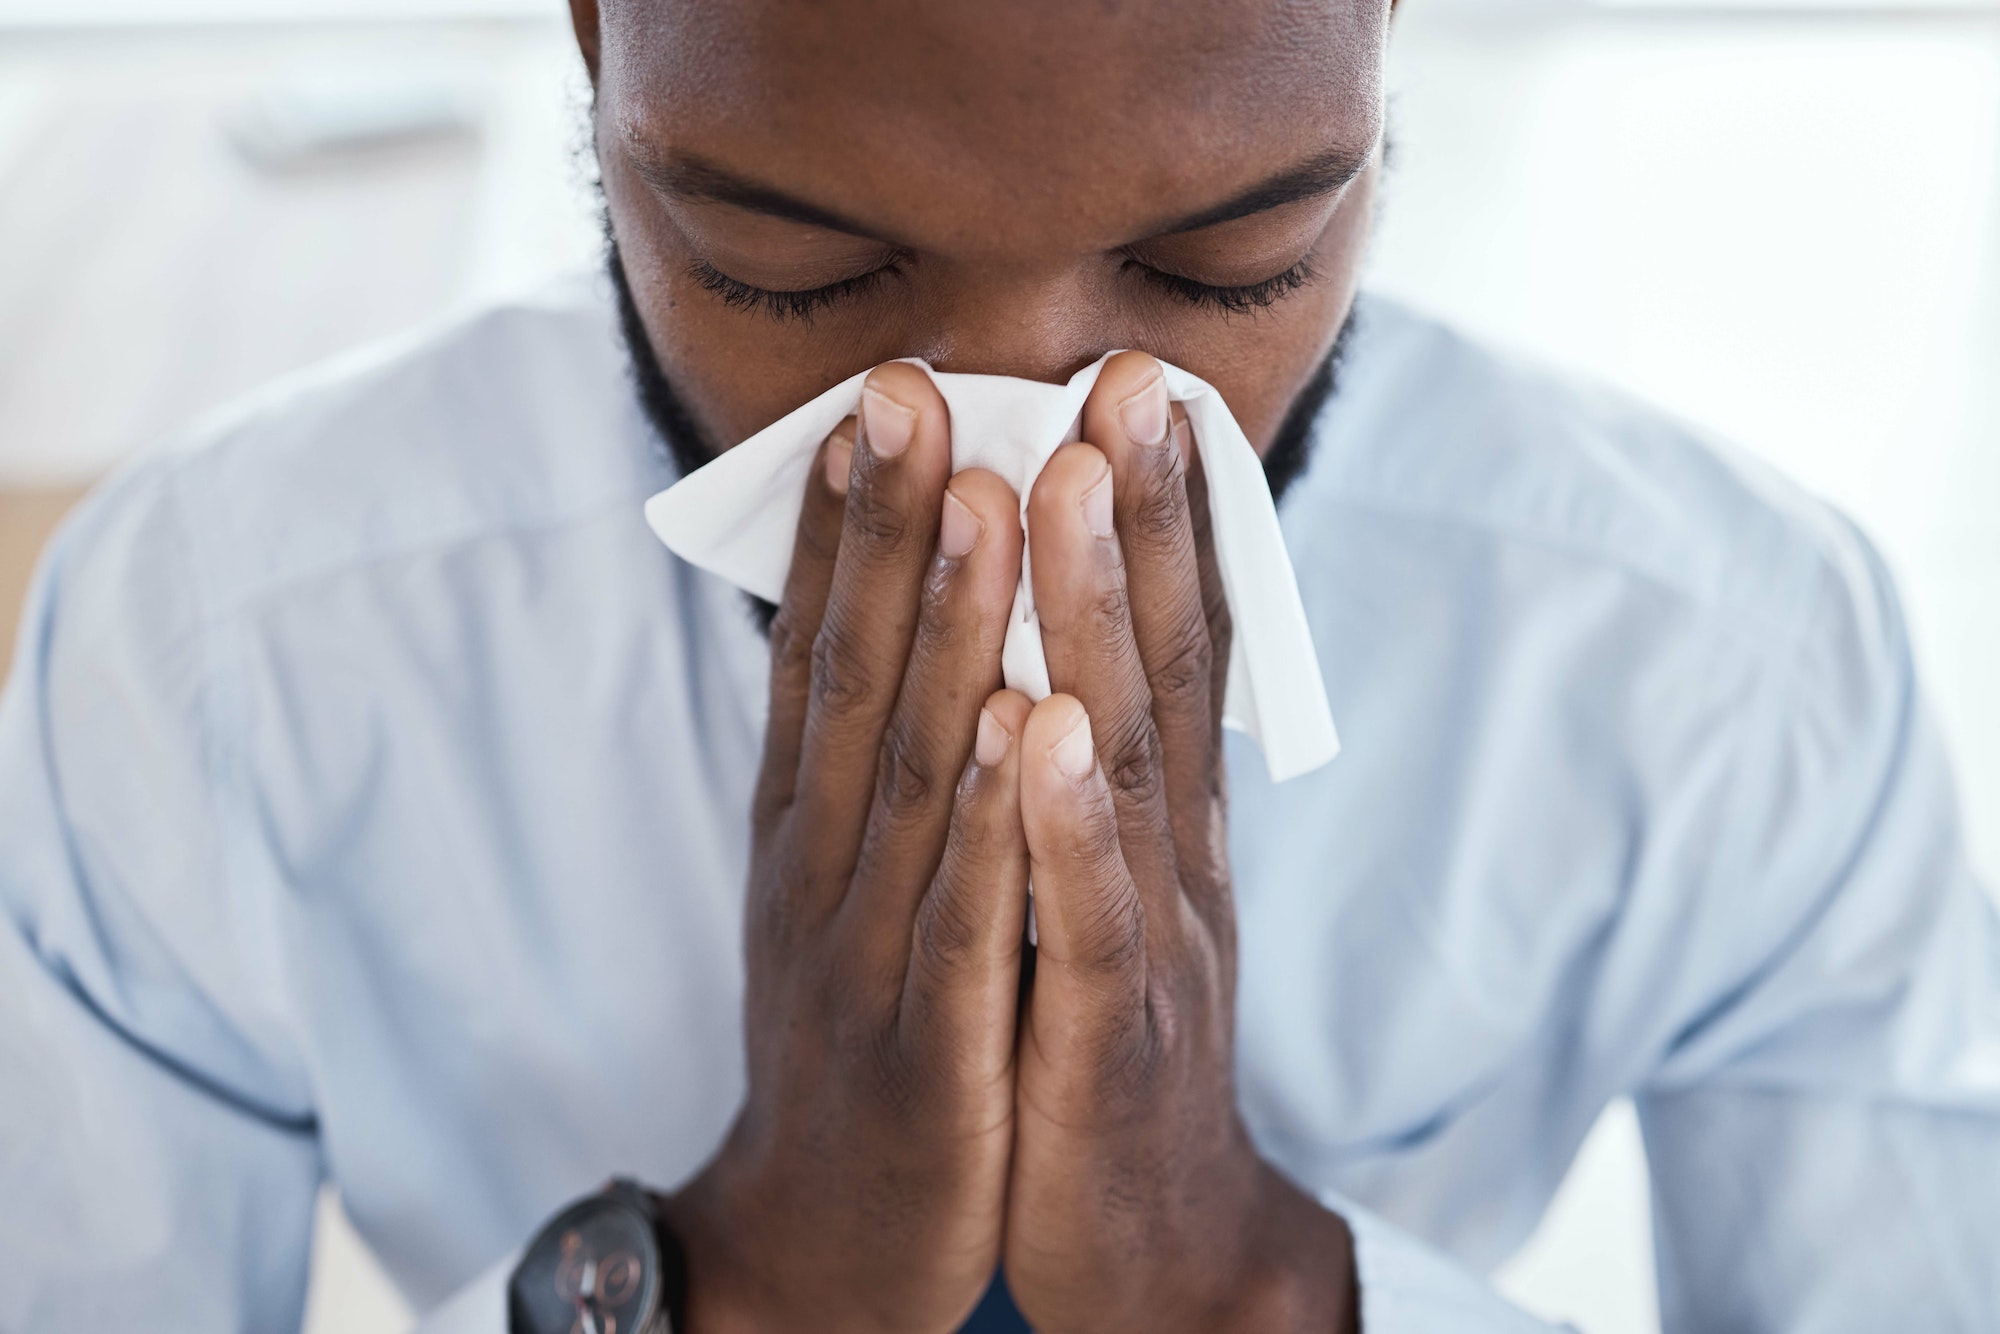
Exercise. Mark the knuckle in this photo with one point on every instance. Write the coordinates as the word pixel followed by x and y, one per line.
pixel 1139 1052
pixel 946 935
pixel 773 918
pixel 906 778
pixel 1159 517
pixel 881 528
pixel 1188 672
pixel 1123 1066
pixel 1135 777
pixel 1135 761
pixel 791 644
pixel 1165 1023
pixel 1109 617
pixel 840 672
pixel 1203 855
pixel 779 918
pixel 850 1000
pixel 789 884
pixel 937 632
pixel 971 842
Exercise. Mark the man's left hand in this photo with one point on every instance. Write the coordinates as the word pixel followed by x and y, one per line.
pixel 1137 1200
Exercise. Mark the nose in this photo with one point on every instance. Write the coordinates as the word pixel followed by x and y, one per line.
pixel 1044 327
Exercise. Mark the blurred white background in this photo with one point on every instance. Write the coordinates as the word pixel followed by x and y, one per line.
pixel 1781 220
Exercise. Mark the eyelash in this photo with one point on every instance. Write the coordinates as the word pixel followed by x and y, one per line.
pixel 807 302
pixel 799 305
pixel 1245 300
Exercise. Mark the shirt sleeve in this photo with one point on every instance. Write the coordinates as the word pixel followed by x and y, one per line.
pixel 1411 1287
pixel 1824 1128
pixel 158 1154
pixel 480 1307
pixel 1407 1287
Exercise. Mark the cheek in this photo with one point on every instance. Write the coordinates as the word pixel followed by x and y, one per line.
pixel 736 370
pixel 1261 362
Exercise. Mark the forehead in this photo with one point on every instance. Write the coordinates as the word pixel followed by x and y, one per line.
pixel 942 119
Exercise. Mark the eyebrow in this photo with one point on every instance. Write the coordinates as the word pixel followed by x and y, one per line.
pixel 691 178
pixel 1312 179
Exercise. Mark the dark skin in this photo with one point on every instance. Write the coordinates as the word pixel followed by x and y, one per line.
pixel 801 191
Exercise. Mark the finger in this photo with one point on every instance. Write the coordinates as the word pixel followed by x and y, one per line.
pixel 953 665
pixel 1129 419
pixel 888 535
pixel 1084 608
pixel 962 986
pixel 1203 848
pixel 1090 919
pixel 797 622
pixel 1214 602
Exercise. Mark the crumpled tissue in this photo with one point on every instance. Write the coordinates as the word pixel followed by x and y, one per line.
pixel 738 515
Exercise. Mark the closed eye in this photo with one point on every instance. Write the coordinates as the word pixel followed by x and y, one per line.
pixel 1246 299
pixel 803 303
pixel 799 304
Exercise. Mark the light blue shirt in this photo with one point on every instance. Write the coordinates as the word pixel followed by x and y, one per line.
pixel 373 796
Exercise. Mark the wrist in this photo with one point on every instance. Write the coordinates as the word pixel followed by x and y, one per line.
pixel 1299 1273
pixel 714 1296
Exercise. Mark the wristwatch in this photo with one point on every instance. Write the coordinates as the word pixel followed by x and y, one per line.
pixel 604 1265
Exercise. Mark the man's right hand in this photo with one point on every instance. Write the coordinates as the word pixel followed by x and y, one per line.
pixel 863 1185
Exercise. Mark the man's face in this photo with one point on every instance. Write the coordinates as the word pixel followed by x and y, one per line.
pixel 802 189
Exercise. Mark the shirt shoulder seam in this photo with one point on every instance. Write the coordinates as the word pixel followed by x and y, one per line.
pixel 434 543
pixel 1760 616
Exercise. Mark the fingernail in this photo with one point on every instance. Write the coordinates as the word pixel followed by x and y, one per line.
pixel 960 530
pixel 1184 442
pixel 886 425
pixel 1144 415
pixel 991 748
pixel 1097 505
pixel 1074 754
pixel 839 463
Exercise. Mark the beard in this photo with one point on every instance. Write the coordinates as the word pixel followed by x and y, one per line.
pixel 686 443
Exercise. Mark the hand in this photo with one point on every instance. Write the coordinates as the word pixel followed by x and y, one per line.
pixel 863 1185
pixel 1138 1201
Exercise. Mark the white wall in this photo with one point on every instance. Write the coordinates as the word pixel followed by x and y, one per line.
pixel 276 267
pixel 159 13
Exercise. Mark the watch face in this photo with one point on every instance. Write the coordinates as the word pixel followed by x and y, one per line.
pixel 595 1270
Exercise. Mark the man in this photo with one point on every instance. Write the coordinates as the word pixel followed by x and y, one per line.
pixel 378 803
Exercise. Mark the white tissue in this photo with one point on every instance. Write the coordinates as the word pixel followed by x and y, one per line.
pixel 738 516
